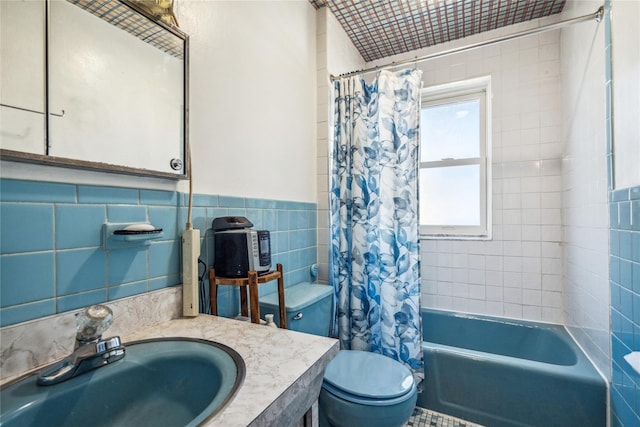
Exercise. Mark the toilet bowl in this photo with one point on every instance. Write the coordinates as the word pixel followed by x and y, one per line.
pixel 362 389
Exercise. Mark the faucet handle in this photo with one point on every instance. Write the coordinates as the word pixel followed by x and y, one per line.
pixel 108 345
pixel 92 322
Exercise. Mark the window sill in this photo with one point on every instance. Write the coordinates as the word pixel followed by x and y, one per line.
pixel 454 237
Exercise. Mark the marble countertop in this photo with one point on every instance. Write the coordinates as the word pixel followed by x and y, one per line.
pixel 280 365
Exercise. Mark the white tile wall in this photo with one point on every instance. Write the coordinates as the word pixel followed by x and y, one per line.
pixel 322 143
pixel 518 273
pixel 585 209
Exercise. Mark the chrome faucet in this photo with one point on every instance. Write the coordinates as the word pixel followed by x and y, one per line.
pixel 90 351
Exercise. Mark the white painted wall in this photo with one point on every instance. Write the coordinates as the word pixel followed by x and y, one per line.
pixel 253 104
pixel 585 207
pixel 253 97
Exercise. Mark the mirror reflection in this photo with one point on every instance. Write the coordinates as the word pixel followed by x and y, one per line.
pixel 22 76
pixel 115 88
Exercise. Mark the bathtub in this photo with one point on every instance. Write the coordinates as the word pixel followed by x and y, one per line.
pixel 502 372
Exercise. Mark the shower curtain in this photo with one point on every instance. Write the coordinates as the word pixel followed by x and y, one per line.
pixel 373 202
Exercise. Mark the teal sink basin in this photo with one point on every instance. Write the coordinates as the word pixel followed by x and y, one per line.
pixel 164 382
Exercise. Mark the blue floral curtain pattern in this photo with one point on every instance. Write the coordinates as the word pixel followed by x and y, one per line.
pixel 374 255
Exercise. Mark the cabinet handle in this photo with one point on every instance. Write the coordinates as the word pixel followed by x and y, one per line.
pixel 297 316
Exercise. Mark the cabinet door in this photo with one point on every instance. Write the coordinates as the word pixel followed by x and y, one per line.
pixel 22 76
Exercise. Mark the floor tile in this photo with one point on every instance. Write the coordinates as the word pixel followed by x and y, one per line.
pixel 425 418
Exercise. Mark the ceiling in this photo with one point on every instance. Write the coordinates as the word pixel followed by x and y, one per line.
pixel 382 28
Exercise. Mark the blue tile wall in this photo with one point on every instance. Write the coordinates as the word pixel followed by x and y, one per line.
pixel 52 259
pixel 293 243
pixel 624 266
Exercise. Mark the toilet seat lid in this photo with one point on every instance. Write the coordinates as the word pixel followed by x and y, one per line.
pixel 369 375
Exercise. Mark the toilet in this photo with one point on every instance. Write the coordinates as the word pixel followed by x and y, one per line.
pixel 360 388
pixel 363 389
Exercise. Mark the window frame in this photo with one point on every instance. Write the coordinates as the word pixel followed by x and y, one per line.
pixel 471 89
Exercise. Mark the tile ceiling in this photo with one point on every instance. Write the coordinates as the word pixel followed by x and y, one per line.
pixel 382 28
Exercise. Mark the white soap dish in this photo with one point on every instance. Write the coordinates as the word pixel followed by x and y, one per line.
pixel 127 235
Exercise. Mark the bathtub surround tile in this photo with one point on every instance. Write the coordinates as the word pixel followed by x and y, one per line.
pixel 586 209
pixel 539 222
pixel 60 263
pixel 513 310
pixel 625 305
pixel 532 312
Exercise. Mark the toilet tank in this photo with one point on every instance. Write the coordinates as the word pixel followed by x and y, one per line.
pixel 308 307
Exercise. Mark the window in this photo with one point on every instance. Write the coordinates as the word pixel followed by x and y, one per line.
pixel 454 164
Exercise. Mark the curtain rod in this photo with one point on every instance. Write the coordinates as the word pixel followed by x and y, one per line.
pixel 597 16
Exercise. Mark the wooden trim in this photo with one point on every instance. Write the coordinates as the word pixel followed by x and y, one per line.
pixel 254 300
pixel 213 292
pixel 281 304
pixel 244 310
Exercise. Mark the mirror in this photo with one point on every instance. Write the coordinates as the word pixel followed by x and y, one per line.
pixel 115 88
pixel 22 76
